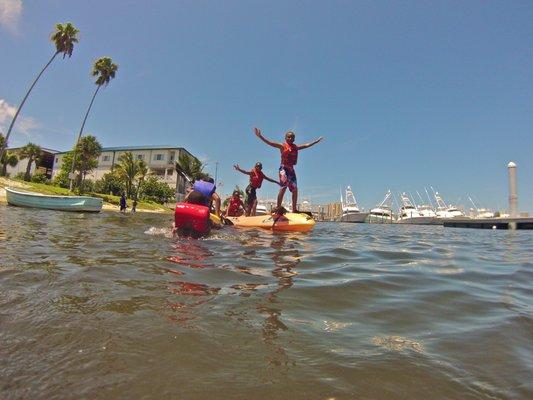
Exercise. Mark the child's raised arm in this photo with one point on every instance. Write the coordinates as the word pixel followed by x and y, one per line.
pixel 264 139
pixel 236 166
pixel 306 145
pixel 271 180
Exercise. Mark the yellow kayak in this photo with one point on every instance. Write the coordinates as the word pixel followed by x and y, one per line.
pixel 217 222
pixel 295 222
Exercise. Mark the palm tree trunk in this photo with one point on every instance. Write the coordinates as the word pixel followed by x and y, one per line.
pixel 4 145
pixel 28 169
pixel 79 136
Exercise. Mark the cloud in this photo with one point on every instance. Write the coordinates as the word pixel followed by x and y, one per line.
pixel 10 11
pixel 23 125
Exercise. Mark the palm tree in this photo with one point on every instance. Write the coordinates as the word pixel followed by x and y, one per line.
pixel 142 171
pixel 128 169
pixel 191 167
pixel 64 38
pixel 89 150
pixel 32 152
pixel 104 69
pixel 8 158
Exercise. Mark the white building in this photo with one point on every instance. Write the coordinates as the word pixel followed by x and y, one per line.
pixel 160 161
pixel 43 164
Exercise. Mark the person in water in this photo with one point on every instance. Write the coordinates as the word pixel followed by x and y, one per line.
pixel 256 179
pixel 289 158
pixel 235 206
pixel 204 193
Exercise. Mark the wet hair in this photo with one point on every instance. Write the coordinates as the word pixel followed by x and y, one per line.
pixel 236 192
pixel 258 165
pixel 196 197
pixel 290 133
pixel 210 180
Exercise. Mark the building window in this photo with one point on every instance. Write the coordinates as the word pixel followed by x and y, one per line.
pixel 140 156
pixel 159 157
pixel 172 155
pixel 57 159
pixel 105 158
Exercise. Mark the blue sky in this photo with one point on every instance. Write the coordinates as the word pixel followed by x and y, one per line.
pixel 406 94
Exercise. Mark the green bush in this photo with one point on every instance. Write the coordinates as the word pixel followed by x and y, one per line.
pixel 154 190
pixel 19 176
pixel 86 186
pixel 39 177
pixel 110 183
pixel 61 179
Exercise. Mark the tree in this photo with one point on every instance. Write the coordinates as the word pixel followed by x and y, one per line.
pixel 64 38
pixel 111 182
pixel 191 166
pixel 8 158
pixel 32 152
pixel 155 190
pixel 89 150
pixel 141 173
pixel 104 70
pixel 128 168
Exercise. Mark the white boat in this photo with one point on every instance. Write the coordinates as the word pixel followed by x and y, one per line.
pixel 447 210
pixel 382 213
pixel 480 213
pixel 350 209
pixel 261 210
pixel 21 198
pixel 410 214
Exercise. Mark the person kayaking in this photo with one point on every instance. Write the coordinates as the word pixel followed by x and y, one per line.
pixel 235 206
pixel 256 179
pixel 203 192
pixel 289 157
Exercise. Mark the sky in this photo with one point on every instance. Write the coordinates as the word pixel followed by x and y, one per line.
pixel 407 94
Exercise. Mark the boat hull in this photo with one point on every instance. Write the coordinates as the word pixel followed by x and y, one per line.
pixel 48 202
pixel 378 219
pixel 420 221
pixel 290 222
pixel 359 217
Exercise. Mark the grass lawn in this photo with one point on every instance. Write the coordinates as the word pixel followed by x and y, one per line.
pixel 59 191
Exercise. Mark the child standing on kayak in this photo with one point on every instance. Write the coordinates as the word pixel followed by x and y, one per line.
pixel 289 157
pixel 256 179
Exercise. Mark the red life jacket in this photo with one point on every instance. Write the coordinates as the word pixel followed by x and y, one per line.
pixel 289 154
pixel 233 206
pixel 256 178
pixel 192 217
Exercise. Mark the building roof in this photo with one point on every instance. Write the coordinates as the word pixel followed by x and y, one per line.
pixel 130 148
pixel 42 148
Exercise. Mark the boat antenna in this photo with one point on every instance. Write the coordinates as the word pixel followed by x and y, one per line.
pixel 413 200
pixel 429 198
pixel 396 201
pixel 420 197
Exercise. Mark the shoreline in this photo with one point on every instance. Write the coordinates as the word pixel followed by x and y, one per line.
pixel 108 207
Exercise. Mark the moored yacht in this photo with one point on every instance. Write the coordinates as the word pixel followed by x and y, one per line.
pixel 350 209
pixel 410 214
pixel 382 213
pixel 480 213
pixel 446 211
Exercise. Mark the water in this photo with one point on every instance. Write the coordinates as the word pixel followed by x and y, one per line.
pixel 109 306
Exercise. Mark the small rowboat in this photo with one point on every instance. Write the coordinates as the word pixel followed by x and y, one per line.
pixel 23 198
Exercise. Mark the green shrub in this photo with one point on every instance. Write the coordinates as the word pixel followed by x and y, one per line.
pixel 39 177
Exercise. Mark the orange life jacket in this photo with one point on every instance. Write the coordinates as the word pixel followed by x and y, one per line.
pixel 289 154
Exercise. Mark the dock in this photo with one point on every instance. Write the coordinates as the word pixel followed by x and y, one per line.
pixel 489 223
